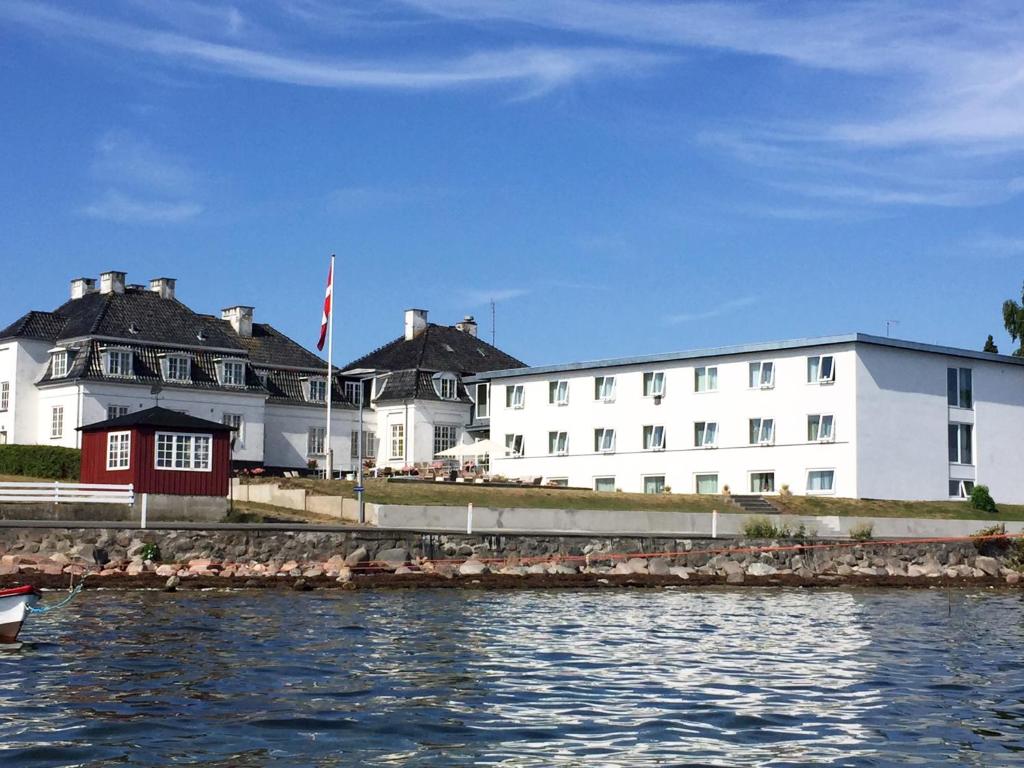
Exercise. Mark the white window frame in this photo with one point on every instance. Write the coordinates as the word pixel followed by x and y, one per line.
pixel 317 383
pixel 446 386
pixel 960 444
pixel 765 431
pixel 515 445
pixel 558 392
pixel 604 440
pixel 446 435
pixel 959 372
pixel 558 443
pixel 5 395
pixel 236 420
pixel 830 491
pixel 354 392
pixel 59 364
pixel 231 364
pixel 750 480
pixel 561 482
pixel 397 442
pixel 177 361
pixel 708 438
pixel 822 417
pixel 483 410
pixel 598 478
pixel 125 363
pixel 696 483
pixel 195 439
pixel 116 411
pixel 765 376
pixel 369 444
pixel 56 422
pixel 707 373
pixel 515 396
pixel 962 492
pixel 654 437
pixel 656 379
pixel 819 378
pixel 119 451
pixel 645 478
pixel 604 389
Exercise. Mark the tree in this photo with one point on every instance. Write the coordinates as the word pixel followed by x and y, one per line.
pixel 1013 319
pixel 990 346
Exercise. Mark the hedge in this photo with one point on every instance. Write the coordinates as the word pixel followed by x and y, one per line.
pixel 48 461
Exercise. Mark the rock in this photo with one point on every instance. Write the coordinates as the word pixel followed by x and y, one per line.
pixel 312 573
pixel 514 570
pixel 988 565
pixel 915 571
pixel 844 570
pixel 732 568
pixel 562 569
pixel 172 584
pixel 659 566
pixel 287 566
pixel 301 585
pixel 344 574
pixel 294 572
pixel 392 558
pixel 135 567
pixel 1013 577
pixel 8 569
pixel 760 569
pixel 357 557
pixel 636 565
pixel 797 562
pixel 537 568
pixel 251 583
pixel 868 570
pixel 473 567
pixel 334 563
pixel 807 573
pixel 403 570
pixel 978 573
pixel 681 571
pixel 166 570
pixel 60 557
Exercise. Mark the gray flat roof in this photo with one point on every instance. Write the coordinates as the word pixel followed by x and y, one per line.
pixel 742 349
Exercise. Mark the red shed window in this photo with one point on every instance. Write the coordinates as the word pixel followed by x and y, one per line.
pixel 175 450
pixel 119 450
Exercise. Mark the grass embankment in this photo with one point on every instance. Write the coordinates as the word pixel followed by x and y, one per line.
pixel 29 479
pixel 460 494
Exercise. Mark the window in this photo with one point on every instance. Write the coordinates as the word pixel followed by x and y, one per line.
pixel 445 385
pixel 961 444
pixel 177 368
pixel 960 387
pixel 232 374
pixel 654 484
pixel 559 482
pixel 705 434
pixel 604 389
pixel 398 441
pixel 707 484
pixel 762 375
pixel 483 405
pixel 654 438
pixel 354 392
pixel 235 420
pixel 821 480
pixel 445 437
pixel 821 369
pixel 762 431
pixel 819 428
pixel 705 379
pixel 515 396
pixel 183 451
pixel 604 440
pixel 514 446
pixel 119 450
pixel 558 392
pixel 654 384
pixel 315 438
pixel 118 362
pixel 604 484
pixel 558 443
pixel 369 441
pixel 5 395
pixel 960 489
pixel 317 390
pixel 762 482
pixel 57 421
pixel 59 365
pixel 116 411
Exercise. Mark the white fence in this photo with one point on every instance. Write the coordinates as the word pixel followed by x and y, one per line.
pixel 67 493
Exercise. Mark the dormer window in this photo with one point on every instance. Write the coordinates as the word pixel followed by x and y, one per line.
pixel 354 392
pixel 446 386
pixel 176 368
pixel 59 364
pixel 316 390
pixel 231 372
pixel 118 362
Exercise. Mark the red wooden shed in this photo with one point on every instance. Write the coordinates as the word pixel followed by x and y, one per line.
pixel 159 451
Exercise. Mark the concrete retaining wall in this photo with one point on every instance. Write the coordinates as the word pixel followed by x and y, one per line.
pixel 299 500
pixel 160 508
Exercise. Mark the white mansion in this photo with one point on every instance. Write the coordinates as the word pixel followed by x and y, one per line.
pixel 120 348
pixel 856 416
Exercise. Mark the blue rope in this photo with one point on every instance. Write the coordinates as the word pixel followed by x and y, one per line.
pixel 55 606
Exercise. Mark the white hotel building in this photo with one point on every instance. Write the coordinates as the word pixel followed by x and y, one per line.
pixel 855 416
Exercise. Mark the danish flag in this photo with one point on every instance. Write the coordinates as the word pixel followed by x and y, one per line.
pixel 327 307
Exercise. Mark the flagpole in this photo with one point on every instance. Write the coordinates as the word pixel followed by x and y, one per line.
pixel 330 382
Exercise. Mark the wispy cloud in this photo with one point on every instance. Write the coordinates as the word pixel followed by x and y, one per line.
pixel 722 309
pixel 992 245
pixel 120 208
pixel 479 297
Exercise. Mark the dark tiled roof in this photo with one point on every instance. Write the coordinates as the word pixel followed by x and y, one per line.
pixel 415 385
pixel 157 417
pixel 271 347
pixel 285 387
pixel 438 348
pixel 35 325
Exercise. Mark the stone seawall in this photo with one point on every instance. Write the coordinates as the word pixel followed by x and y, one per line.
pixel 251 554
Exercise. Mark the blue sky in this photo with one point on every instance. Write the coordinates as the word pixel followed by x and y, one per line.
pixel 622 178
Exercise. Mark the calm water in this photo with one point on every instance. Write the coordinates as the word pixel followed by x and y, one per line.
pixel 630 678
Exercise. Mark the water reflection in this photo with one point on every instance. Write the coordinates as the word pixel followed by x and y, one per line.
pixel 637 678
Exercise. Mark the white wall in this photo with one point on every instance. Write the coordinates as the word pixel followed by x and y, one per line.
pixel 287 432
pixel 732 405
pixel 21 364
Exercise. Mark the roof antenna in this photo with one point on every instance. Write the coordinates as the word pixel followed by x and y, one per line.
pixel 888 326
pixel 492 322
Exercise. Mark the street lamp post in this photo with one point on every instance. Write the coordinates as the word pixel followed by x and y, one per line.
pixel 362 375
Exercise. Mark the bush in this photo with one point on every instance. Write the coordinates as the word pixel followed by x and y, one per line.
pixel 990 542
pixel 862 531
pixel 47 461
pixel 760 527
pixel 982 500
pixel 151 551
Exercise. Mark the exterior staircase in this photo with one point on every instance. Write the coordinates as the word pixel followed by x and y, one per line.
pixel 754 505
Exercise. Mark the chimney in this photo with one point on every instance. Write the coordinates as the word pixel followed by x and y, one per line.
pixel 164 286
pixel 415 323
pixel 81 286
pixel 468 325
pixel 112 282
pixel 240 319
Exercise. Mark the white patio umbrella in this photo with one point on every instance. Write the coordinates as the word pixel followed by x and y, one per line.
pixel 463 450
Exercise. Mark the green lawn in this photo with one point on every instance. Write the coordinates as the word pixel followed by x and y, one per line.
pixel 952 510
